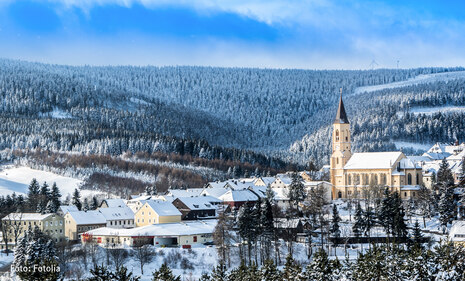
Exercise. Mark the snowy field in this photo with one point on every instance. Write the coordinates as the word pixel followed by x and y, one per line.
pixel 413 145
pixel 17 179
pixel 420 79
pixel 57 114
pixel 432 110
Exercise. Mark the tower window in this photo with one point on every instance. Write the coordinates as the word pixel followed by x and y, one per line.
pixel 337 160
pixel 337 135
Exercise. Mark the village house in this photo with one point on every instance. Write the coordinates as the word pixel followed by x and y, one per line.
pixel 113 203
pixel 194 208
pixel 118 217
pixel 457 233
pixel 79 222
pixel 184 234
pixel 237 198
pixel 16 224
pixel 155 212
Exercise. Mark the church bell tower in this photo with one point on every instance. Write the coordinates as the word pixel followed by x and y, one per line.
pixel 341 150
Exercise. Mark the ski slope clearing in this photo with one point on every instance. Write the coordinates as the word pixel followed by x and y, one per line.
pixel 17 179
pixel 432 110
pixel 420 79
pixel 413 145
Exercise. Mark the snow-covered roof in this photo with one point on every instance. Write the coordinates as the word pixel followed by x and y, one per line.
pixel 185 192
pixel 260 191
pixel 114 202
pixel 165 229
pixel 217 184
pixel 88 217
pixel 216 192
pixel 436 156
pixel 239 196
pixel 457 231
pixel 239 185
pixel 284 178
pixel 117 213
pixel 408 163
pixel 281 193
pixel 373 160
pixel 266 180
pixel 315 183
pixel 68 208
pixel 163 208
pixel 197 203
pixel 26 216
pixel 419 159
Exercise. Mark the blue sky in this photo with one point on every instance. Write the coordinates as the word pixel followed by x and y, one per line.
pixel 319 34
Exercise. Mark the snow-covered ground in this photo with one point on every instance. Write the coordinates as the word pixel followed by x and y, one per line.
pixel 17 179
pixel 57 114
pixel 413 145
pixel 420 79
pixel 432 110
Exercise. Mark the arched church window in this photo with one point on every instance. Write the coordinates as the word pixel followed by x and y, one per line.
pixel 375 179
pixel 417 179
pixel 409 179
pixel 339 194
pixel 349 179
pixel 337 160
pixel 337 135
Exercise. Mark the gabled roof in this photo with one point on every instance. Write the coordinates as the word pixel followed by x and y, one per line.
pixel 26 216
pixel 239 196
pixel 267 180
pixel 216 192
pixel 117 213
pixel 341 116
pixel 88 217
pixel 260 191
pixel 115 202
pixel 197 203
pixel 185 192
pixel 68 208
pixel 373 160
pixel 163 208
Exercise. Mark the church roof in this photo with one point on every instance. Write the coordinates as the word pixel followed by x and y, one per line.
pixel 373 160
pixel 341 116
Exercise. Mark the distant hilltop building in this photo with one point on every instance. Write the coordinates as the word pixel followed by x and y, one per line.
pixel 353 175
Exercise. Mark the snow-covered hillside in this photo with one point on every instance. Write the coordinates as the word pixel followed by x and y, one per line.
pixel 420 79
pixel 17 179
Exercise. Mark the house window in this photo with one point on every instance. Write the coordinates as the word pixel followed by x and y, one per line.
pixel 195 238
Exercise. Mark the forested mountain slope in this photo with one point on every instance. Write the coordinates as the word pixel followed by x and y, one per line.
pixel 379 118
pixel 210 112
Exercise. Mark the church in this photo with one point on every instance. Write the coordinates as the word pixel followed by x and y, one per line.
pixel 355 175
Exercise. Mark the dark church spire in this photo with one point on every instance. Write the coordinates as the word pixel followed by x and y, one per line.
pixel 341 116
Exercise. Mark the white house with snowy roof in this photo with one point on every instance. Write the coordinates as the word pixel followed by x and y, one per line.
pixel 184 234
